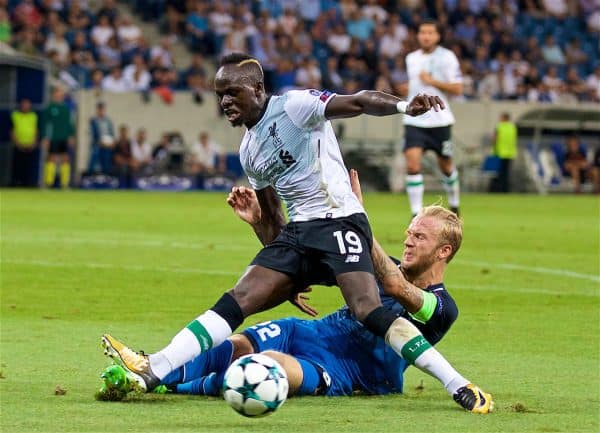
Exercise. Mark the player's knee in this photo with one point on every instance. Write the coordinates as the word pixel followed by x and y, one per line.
pixel 413 167
pixel 362 306
pixel 379 320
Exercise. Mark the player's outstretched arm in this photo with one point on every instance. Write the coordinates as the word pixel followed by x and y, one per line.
pixel 261 209
pixel 386 271
pixel 377 103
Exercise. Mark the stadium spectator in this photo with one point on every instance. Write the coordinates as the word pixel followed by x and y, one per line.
pixel 160 54
pixel 136 75
pixel 108 9
pixel 308 75
pixel 102 141
pixel 551 79
pixel 237 39
pixel 24 136
pixel 56 42
pixel 505 148
pixel 110 54
pixel 141 150
pixel 115 82
pixel 593 84
pixel 576 165
pixel 332 79
pixel 123 162
pixel 5 27
pixel 160 154
pixel 205 156
pixel 198 30
pixel 221 23
pixel 102 31
pixel 129 34
pixel 575 55
pixel 374 12
pixel 57 132
pixel 596 170
pixel 552 52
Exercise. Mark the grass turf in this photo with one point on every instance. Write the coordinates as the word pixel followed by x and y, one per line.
pixel 141 265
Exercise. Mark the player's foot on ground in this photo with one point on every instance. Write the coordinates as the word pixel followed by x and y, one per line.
pixel 136 364
pixel 456 210
pixel 116 385
pixel 473 399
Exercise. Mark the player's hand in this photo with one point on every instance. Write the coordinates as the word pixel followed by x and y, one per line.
pixel 355 184
pixel 245 204
pixel 426 77
pixel 421 104
pixel 298 299
pixel 45 143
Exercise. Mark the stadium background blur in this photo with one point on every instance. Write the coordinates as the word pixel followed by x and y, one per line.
pixel 151 63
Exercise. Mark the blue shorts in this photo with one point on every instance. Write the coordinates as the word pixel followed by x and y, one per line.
pixel 350 356
pixel 302 339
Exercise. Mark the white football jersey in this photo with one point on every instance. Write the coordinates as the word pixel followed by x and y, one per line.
pixel 293 149
pixel 443 66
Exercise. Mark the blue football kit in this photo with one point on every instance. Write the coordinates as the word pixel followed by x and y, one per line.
pixel 338 355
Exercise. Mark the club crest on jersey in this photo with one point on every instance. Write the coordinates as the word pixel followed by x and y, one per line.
pixel 277 142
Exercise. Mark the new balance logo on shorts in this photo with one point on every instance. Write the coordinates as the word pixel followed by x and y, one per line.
pixel 352 258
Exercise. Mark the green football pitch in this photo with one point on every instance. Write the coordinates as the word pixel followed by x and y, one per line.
pixel 141 265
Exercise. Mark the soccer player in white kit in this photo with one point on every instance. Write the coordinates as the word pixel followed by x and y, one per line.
pixel 433 70
pixel 290 153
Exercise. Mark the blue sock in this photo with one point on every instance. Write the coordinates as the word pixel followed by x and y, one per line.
pixel 215 360
pixel 206 385
pixel 311 378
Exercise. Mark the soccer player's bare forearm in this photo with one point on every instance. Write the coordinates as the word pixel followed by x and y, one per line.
pixel 394 282
pixel 267 229
pixel 377 103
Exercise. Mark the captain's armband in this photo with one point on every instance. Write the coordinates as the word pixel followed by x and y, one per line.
pixel 429 303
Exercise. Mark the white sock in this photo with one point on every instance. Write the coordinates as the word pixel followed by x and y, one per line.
pixel 408 342
pixel 452 187
pixel 415 189
pixel 206 331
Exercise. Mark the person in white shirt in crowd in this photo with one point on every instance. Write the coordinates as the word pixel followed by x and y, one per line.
pixel 102 31
pixel 160 55
pixel 115 82
pixel 205 156
pixel 375 12
pixel 141 149
pixel 129 34
pixel 434 70
pixel 137 75
pixel 593 84
pixel 389 46
pixel 57 42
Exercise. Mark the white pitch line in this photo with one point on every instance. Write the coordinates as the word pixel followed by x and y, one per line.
pixel 129 242
pixel 47 264
pixel 241 247
pixel 591 293
pixel 137 268
pixel 535 269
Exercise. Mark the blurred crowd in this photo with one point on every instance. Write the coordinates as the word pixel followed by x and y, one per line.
pixel 534 50
pixel 127 154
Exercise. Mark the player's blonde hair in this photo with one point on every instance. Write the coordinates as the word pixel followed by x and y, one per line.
pixel 451 229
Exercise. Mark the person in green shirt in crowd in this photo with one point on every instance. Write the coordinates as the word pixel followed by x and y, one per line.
pixel 57 138
pixel 24 136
